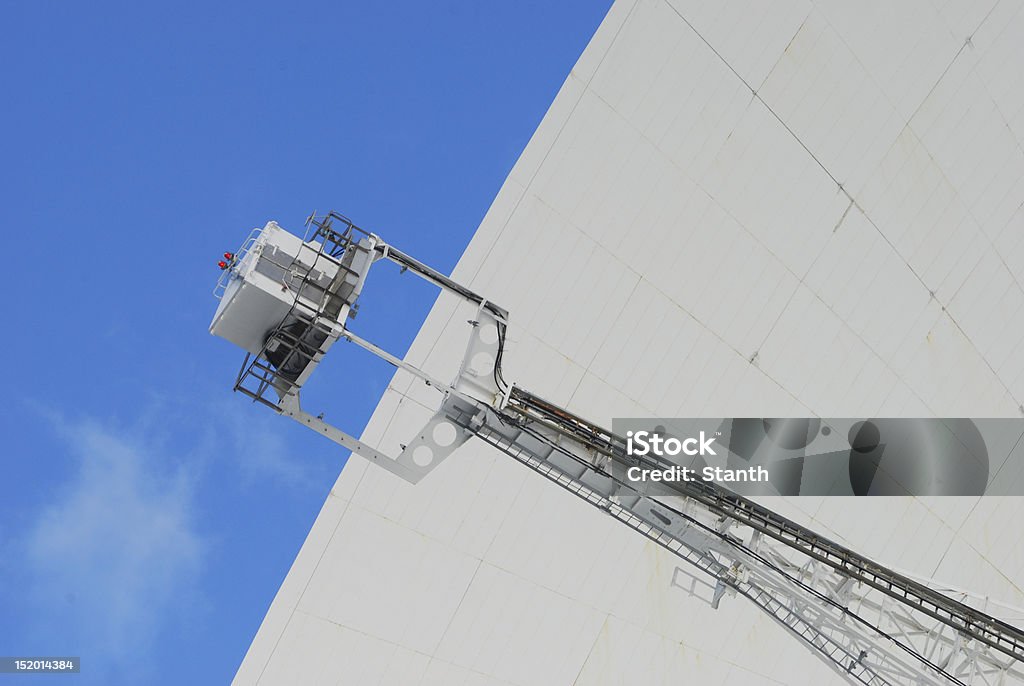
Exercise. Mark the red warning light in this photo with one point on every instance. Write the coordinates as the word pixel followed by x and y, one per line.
pixel 222 264
pixel 229 256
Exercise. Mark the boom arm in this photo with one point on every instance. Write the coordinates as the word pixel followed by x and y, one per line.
pixel 871 624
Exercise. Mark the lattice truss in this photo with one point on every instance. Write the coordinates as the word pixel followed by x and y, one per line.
pixel 871 624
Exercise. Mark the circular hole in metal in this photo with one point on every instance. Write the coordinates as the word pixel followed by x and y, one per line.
pixel 422 455
pixel 482 363
pixel 489 334
pixel 445 434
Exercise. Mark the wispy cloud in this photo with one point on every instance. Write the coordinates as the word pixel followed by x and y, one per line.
pixel 114 559
pixel 261 450
pixel 117 544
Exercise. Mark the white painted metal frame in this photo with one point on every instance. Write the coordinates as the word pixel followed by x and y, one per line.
pixel 864 634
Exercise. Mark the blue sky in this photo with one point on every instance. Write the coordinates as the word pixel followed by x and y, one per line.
pixel 148 515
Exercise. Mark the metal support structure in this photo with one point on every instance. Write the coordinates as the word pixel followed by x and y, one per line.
pixel 871 624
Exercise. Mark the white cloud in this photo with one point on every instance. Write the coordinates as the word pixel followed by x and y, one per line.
pixel 117 544
pixel 260 448
pixel 114 559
